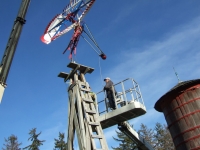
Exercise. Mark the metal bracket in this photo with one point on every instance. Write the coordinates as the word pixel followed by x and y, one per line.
pixel 21 20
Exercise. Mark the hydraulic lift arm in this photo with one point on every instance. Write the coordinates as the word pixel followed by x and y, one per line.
pixel 134 136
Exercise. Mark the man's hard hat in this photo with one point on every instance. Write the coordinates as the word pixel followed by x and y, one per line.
pixel 107 78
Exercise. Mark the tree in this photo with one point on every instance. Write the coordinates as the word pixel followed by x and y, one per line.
pixel 11 143
pixel 159 138
pixel 147 134
pixel 163 138
pixel 60 144
pixel 125 143
pixel 36 143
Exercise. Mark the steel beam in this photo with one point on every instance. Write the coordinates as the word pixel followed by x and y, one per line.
pixel 11 45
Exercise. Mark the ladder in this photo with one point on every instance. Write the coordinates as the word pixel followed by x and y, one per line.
pixel 82 112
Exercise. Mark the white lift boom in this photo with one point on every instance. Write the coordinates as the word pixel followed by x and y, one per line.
pixel 141 143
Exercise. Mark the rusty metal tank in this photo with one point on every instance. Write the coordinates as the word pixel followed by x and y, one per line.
pixel 181 108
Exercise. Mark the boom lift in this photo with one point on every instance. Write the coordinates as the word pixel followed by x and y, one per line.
pixel 130 105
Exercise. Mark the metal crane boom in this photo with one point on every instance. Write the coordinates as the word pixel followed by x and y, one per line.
pixel 11 45
pixel 141 143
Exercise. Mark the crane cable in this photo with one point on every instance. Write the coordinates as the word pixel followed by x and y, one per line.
pixel 91 37
pixel 95 43
pixel 89 44
pixel 99 58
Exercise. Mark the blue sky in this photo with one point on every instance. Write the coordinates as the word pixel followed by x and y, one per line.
pixel 143 40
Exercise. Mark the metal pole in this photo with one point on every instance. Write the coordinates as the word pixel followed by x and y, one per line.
pixel 11 45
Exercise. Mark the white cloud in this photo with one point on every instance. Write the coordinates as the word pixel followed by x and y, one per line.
pixel 152 64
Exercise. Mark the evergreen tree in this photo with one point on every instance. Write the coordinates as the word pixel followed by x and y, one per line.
pixel 163 138
pixel 147 134
pixel 36 143
pixel 60 144
pixel 159 138
pixel 125 143
pixel 11 143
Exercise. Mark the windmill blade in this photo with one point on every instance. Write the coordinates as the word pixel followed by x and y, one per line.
pixel 54 29
pixel 89 5
pixel 60 24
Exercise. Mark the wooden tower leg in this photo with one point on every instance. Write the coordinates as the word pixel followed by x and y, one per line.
pixel 83 115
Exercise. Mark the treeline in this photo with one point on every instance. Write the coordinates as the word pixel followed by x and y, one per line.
pixel 159 137
pixel 11 143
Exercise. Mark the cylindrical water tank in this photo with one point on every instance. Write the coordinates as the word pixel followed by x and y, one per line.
pixel 181 108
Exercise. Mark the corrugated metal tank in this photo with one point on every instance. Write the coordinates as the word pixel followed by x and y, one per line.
pixel 181 108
